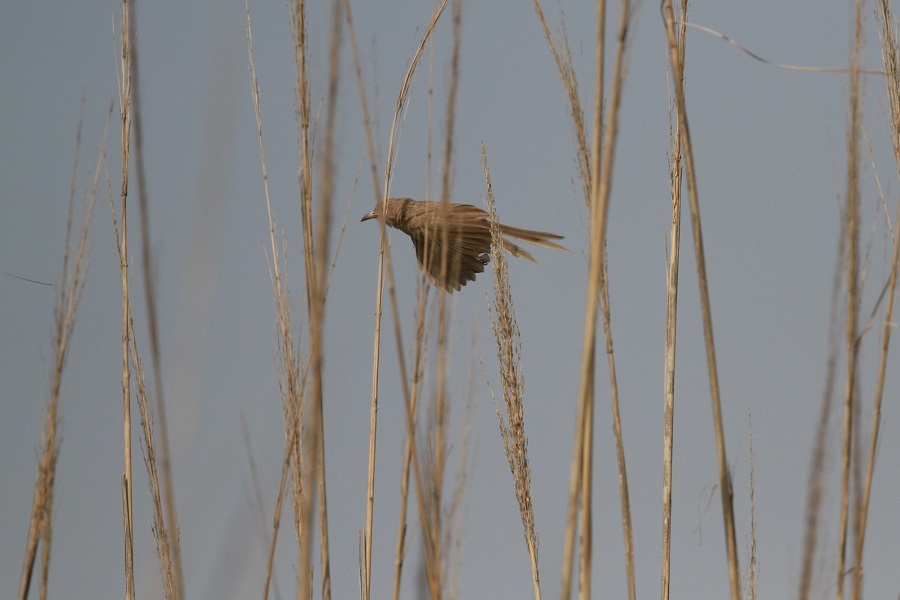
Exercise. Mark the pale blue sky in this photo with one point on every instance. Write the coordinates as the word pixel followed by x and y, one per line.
pixel 770 153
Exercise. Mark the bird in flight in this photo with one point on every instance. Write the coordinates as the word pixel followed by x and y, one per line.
pixel 467 230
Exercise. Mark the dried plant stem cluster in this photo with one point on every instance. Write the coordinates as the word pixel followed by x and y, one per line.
pixel 452 244
pixel 596 168
pixel 165 522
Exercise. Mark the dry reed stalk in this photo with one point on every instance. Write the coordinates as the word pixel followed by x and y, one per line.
pixel 304 471
pixel 815 485
pixel 562 55
pixel 315 250
pixel 751 575
pixel 851 265
pixel 595 166
pixel 676 171
pixel 624 497
pixel 420 358
pixel 385 272
pixel 290 382
pixel 433 526
pixel 166 523
pixel 509 356
pixel 161 533
pixel 453 537
pixel 326 191
pixel 125 81
pixel 566 69
pixel 373 408
pixel 889 52
pixel 160 530
pixel 725 489
pixel 436 531
pixel 257 491
pixel 65 311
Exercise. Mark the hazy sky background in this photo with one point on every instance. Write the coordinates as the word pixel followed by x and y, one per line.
pixel 770 153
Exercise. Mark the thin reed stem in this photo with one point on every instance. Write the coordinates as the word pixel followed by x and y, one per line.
pixel 851 331
pixel 373 407
pixel 725 488
pixel 676 172
pixel 892 70
pixel 595 165
pixel 126 74
pixel 166 522
pixel 385 273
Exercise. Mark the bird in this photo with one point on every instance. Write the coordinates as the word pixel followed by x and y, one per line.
pixel 467 230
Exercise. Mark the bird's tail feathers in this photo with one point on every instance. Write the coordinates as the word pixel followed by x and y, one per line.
pixel 517 251
pixel 540 238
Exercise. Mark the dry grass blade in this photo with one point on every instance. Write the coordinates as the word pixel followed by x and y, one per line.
pixel 161 533
pixel 570 84
pixel 851 268
pixel 68 298
pixel 434 528
pixel 419 361
pixel 509 355
pixel 778 65
pixel 385 267
pixel 566 67
pixel 165 522
pixel 624 497
pixel 315 248
pixel 815 485
pixel 385 271
pixel 126 41
pixel 751 575
pixel 290 381
pixel 891 59
pixel 725 489
pixel 373 412
pixel 316 281
pixel 595 165
pixel 676 171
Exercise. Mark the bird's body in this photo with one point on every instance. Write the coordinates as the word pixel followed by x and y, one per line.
pixel 467 230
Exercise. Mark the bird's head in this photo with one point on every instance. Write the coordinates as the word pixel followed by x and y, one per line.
pixel 395 212
pixel 375 214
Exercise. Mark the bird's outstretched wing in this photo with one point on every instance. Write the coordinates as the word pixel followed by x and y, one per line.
pixel 467 252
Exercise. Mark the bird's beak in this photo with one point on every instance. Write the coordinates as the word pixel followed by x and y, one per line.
pixel 368 216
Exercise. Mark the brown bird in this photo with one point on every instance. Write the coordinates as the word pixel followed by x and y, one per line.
pixel 468 232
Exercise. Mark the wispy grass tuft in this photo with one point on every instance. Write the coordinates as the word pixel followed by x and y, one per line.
pixel 68 298
pixel 509 356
